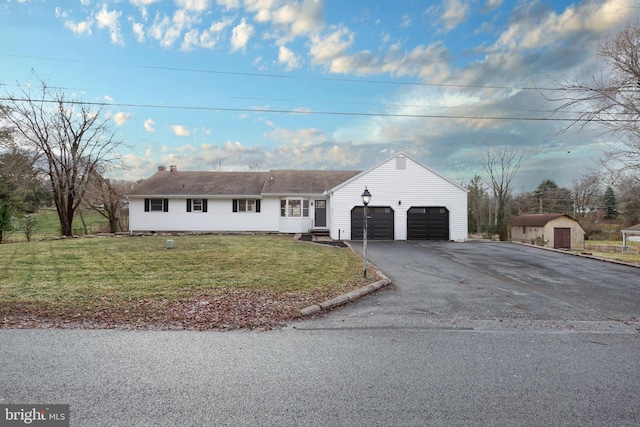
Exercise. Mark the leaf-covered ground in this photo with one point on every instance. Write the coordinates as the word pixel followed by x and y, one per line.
pixel 226 310
pixel 206 282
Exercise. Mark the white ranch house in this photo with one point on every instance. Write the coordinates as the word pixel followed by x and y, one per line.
pixel 409 201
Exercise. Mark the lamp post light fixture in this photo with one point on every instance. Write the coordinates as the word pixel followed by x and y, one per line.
pixel 366 198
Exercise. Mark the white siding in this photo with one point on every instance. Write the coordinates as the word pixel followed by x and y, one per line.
pixel 401 189
pixel 219 217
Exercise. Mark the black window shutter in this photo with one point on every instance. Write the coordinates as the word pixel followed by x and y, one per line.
pixel 258 205
pixel 188 205
pixel 204 205
pixel 235 205
pixel 147 202
pixel 165 205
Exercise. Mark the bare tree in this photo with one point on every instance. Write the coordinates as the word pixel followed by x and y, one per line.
pixel 74 138
pixel 255 165
pixel 218 161
pixel 629 190
pixel 586 193
pixel 502 164
pixel 611 100
pixel 106 196
pixel 478 204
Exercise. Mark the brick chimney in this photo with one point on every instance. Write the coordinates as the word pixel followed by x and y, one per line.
pixel 161 168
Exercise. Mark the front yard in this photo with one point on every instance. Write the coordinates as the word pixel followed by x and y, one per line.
pixel 204 282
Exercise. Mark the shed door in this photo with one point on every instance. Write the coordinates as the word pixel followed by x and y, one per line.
pixel 380 225
pixel 428 223
pixel 562 238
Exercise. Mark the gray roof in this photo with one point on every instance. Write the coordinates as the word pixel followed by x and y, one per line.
pixel 304 182
pixel 281 182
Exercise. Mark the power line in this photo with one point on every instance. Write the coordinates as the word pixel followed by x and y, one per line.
pixel 293 77
pixel 332 113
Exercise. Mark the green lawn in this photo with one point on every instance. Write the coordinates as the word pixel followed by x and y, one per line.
pixel 47 225
pixel 118 278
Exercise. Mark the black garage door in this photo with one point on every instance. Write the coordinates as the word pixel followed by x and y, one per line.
pixel 428 223
pixel 379 227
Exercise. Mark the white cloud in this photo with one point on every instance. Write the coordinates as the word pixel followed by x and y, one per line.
pixel 79 28
pixel 455 13
pixel 331 46
pixel 287 57
pixel 241 35
pixel 300 19
pixel 149 125
pixel 180 130
pixel 208 38
pixel 138 30
pixel 110 20
pixel 186 148
pixel 229 4
pixel 493 4
pixel 121 118
pixel 193 5
pixel 61 13
pixel 142 5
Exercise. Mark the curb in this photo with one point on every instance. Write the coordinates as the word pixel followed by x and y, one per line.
pixel 346 298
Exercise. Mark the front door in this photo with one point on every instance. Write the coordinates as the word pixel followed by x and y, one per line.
pixel 321 213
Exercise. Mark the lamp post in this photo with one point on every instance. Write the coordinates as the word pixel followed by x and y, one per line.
pixel 366 198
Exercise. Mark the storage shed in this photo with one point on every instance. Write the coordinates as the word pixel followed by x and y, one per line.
pixel 557 231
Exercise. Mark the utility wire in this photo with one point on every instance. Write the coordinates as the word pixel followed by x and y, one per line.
pixel 332 113
pixel 293 77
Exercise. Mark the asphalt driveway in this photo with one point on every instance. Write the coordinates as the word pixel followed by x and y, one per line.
pixel 492 285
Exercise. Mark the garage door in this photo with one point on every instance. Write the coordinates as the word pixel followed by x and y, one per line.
pixel 380 225
pixel 428 223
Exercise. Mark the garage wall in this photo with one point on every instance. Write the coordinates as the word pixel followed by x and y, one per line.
pixel 400 183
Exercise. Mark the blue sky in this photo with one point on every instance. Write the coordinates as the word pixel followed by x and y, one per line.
pixel 320 84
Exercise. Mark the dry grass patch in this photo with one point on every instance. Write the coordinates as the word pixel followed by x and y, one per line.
pixel 205 282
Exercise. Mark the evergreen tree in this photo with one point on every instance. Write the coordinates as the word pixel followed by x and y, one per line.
pixel 610 204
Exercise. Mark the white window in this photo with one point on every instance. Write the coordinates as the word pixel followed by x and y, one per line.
pixel 246 205
pixel 294 208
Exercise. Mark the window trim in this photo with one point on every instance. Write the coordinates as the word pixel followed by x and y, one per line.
pixel 287 208
pixel 191 204
pixel 237 205
pixel 148 204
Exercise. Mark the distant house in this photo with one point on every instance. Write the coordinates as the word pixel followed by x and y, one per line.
pixel 409 201
pixel 558 231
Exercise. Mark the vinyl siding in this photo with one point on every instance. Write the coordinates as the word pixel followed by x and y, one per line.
pixel 219 217
pixel 400 189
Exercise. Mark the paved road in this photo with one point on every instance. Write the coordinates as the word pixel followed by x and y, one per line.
pixel 443 359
